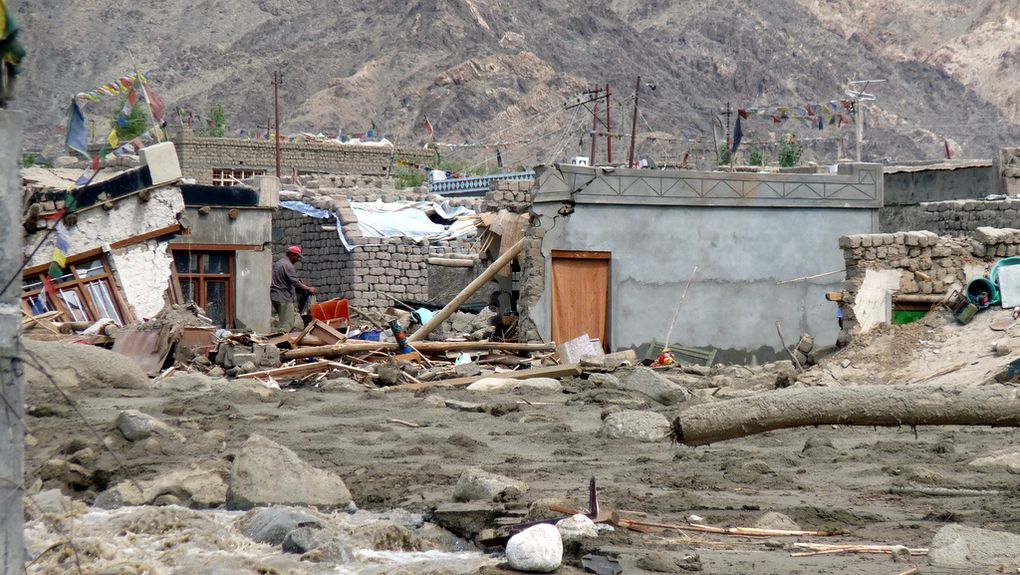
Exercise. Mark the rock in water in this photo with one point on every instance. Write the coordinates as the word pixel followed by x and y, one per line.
pixel 272 524
pixel 646 426
pixel 476 484
pixel 960 546
pixel 267 473
pixel 537 549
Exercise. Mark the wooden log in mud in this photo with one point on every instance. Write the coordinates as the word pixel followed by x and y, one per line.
pixel 990 404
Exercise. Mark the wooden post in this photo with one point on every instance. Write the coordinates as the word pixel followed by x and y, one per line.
pixel 12 432
pixel 489 273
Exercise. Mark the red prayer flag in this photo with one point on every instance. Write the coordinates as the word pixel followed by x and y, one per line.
pixel 428 128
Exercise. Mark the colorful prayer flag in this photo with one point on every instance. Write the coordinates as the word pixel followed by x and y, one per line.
pixel 112 138
pixel 155 104
pixel 77 133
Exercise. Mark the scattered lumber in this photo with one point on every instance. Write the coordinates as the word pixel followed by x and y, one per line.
pixel 828 549
pixel 489 273
pixel 553 371
pixel 451 262
pixel 349 347
pixel 882 405
pixel 303 369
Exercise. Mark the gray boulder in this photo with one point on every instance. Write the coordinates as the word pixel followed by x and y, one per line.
pixel 305 538
pixel 646 381
pixel 476 484
pixel 271 525
pixel 136 425
pixel 537 549
pixel 959 546
pixel 198 488
pixel 267 473
pixel 646 426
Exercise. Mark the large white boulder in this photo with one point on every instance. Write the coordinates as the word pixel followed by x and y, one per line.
pixel 537 549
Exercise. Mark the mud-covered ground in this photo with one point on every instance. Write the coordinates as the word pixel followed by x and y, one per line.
pixel 826 478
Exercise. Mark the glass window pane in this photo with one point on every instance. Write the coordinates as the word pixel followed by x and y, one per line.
pixel 39 304
pixel 181 262
pixel 216 302
pixel 103 301
pixel 89 269
pixel 217 263
pixel 73 304
pixel 188 291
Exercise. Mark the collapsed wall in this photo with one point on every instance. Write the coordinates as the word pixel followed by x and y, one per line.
pixel 917 266
pixel 959 217
pixel 375 271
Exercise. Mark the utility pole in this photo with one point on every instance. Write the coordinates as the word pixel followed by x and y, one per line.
pixel 728 112
pixel 633 123
pixel 594 123
pixel 276 107
pixel 609 129
pixel 12 432
pixel 860 96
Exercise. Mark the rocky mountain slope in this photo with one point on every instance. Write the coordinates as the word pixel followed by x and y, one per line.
pixel 499 71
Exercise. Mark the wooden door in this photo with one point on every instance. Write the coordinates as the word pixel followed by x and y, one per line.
pixel 580 295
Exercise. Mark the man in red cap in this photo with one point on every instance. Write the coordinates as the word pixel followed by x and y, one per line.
pixel 281 292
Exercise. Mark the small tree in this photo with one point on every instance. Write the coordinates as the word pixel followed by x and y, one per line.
pixel 137 124
pixel 724 155
pixel 216 125
pixel 757 157
pixel 790 151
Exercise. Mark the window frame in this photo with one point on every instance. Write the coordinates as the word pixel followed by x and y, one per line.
pixel 80 286
pixel 230 176
pixel 201 279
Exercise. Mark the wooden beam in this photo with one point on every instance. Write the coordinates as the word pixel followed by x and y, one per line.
pixel 451 262
pixel 567 370
pixel 350 346
pixel 489 273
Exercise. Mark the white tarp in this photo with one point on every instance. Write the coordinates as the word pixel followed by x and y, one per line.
pixel 380 219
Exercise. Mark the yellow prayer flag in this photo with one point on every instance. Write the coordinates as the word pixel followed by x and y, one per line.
pixel 59 257
pixel 112 138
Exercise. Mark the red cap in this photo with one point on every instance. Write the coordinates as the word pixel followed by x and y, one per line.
pixel 295 250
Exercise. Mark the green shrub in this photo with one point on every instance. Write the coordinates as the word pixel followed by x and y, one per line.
pixel 790 151
pixel 757 158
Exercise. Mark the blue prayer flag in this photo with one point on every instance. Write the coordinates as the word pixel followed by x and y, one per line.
pixel 77 133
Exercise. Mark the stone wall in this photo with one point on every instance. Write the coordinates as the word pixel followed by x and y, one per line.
pixel 919 263
pixel 376 267
pixel 513 196
pixel 955 217
pixel 199 156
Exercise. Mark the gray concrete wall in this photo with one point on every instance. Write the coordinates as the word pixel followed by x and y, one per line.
pixel 12 433
pixel 253 268
pixel 937 184
pixel 746 232
pixel 742 252
pixel 252 307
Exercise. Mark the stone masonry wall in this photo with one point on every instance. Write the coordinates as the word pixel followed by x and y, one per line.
pixel 199 156
pixel 513 196
pixel 929 264
pixel 376 267
pixel 955 217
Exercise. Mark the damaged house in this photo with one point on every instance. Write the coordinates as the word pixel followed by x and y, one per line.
pixel 610 251
pixel 124 246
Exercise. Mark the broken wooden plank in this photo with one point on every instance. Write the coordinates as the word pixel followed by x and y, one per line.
pixel 553 371
pixel 351 346
pixel 467 292
pixel 451 262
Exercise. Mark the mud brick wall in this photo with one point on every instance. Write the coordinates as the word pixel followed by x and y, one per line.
pixel 199 156
pixel 513 196
pixel 929 264
pixel 960 217
pixel 376 267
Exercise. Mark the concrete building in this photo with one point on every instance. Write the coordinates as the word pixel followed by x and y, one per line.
pixel 227 161
pixel 612 250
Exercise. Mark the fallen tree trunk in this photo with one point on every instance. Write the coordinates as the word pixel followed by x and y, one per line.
pixel 349 347
pixel 885 405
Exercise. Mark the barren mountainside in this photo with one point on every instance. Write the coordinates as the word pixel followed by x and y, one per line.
pixel 500 71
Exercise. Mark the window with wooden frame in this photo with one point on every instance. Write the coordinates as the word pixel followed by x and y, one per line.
pixel 207 278
pixel 85 293
pixel 231 177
